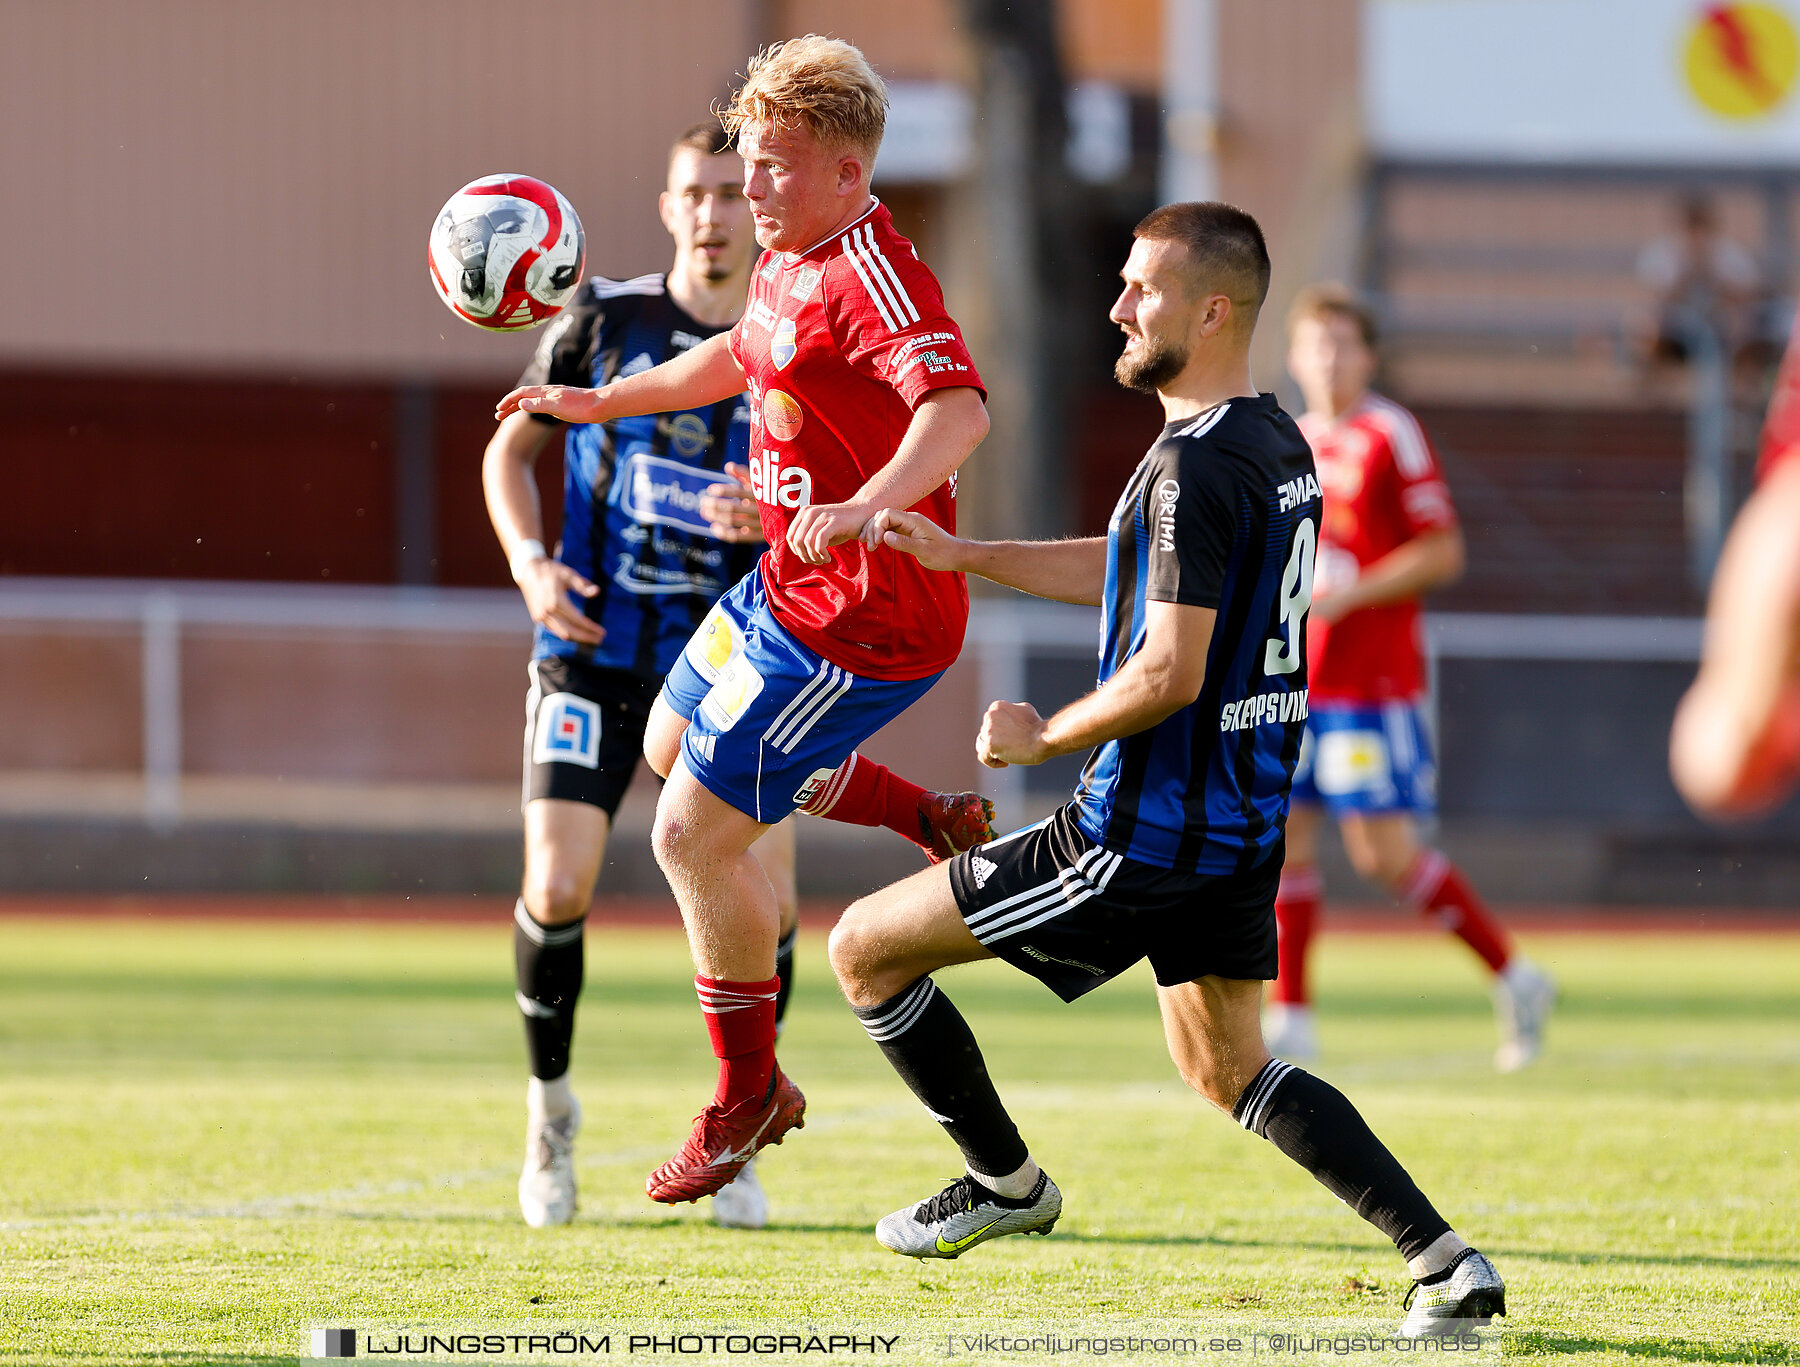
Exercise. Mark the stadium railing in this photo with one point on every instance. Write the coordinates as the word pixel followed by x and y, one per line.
pixel 1018 648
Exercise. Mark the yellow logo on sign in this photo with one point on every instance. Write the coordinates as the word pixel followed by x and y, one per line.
pixel 1741 59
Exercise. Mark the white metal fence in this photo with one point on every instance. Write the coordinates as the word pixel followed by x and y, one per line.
pixel 1005 635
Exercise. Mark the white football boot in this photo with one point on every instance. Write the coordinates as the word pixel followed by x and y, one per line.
pixel 1523 997
pixel 1469 1297
pixel 547 1184
pixel 741 1202
pixel 966 1213
pixel 1288 1032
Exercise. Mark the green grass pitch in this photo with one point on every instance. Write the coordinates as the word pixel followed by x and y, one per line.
pixel 215 1136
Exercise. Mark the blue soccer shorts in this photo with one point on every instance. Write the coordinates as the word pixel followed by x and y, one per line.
pixel 769 719
pixel 1372 758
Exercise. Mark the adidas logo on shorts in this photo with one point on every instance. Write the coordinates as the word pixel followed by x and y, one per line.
pixel 983 869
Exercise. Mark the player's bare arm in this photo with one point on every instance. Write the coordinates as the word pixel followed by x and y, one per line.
pixel 946 427
pixel 1072 571
pixel 731 507
pixel 1736 740
pixel 508 482
pixel 1426 562
pixel 706 374
pixel 1161 679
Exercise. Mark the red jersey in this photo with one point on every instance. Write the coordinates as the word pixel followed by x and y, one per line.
pixel 838 345
pixel 1382 488
pixel 1781 429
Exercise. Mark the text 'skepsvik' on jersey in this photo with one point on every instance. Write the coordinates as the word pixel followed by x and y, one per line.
pixel 839 344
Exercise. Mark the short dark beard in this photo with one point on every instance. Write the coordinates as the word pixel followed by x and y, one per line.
pixel 1152 368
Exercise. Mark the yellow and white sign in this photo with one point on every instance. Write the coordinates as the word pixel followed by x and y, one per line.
pixel 1740 59
pixel 1683 82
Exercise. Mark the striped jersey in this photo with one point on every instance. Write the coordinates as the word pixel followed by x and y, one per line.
pixel 1222 513
pixel 632 487
pixel 839 343
pixel 1382 488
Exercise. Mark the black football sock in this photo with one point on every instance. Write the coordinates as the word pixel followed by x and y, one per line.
pixel 933 1050
pixel 1315 1125
pixel 784 971
pixel 548 961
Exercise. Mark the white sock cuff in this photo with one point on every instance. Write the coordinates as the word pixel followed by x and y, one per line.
pixel 1015 1185
pixel 549 1096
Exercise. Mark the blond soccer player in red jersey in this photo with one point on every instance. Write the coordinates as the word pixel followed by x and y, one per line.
pixel 1388 536
pixel 1735 748
pixel 864 399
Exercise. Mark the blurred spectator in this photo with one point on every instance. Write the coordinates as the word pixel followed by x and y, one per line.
pixel 1705 285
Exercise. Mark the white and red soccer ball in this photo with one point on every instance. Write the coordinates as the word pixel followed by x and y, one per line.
pixel 506 253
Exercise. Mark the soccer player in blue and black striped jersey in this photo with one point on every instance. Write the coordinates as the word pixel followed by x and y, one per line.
pixel 1172 847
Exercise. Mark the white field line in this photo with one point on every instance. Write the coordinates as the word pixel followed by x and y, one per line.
pixel 338 1200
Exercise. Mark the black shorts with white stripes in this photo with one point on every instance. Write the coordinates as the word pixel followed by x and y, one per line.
pixel 584 732
pixel 1074 914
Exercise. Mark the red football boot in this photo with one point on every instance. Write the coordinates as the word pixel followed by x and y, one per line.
pixel 723 1141
pixel 950 823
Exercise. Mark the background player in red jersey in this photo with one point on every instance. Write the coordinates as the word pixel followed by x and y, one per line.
pixel 1735 749
pixel 863 399
pixel 1389 536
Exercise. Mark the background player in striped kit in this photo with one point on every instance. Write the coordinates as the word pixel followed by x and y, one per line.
pixel 1172 847
pixel 863 397
pixel 656 525
pixel 1389 535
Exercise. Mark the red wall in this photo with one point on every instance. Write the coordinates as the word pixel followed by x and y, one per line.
pixel 160 477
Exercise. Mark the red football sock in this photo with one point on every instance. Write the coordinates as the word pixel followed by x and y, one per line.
pixel 864 793
pixel 1297 903
pixel 740 1017
pixel 1434 888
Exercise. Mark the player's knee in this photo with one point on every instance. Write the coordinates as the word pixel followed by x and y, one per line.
pixel 681 839
pixel 555 895
pixel 671 838
pixel 1379 865
pixel 845 951
pixel 854 951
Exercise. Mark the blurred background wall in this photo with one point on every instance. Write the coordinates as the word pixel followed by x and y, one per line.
pixel 254 629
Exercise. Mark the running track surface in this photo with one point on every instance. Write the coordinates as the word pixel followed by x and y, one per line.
pixel 652 911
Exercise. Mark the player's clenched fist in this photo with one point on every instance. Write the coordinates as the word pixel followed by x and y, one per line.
pixel 818 527
pixel 1011 733
pixel 731 509
pixel 554 401
pixel 918 536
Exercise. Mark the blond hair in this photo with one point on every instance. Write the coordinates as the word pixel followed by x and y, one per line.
pixel 824 85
